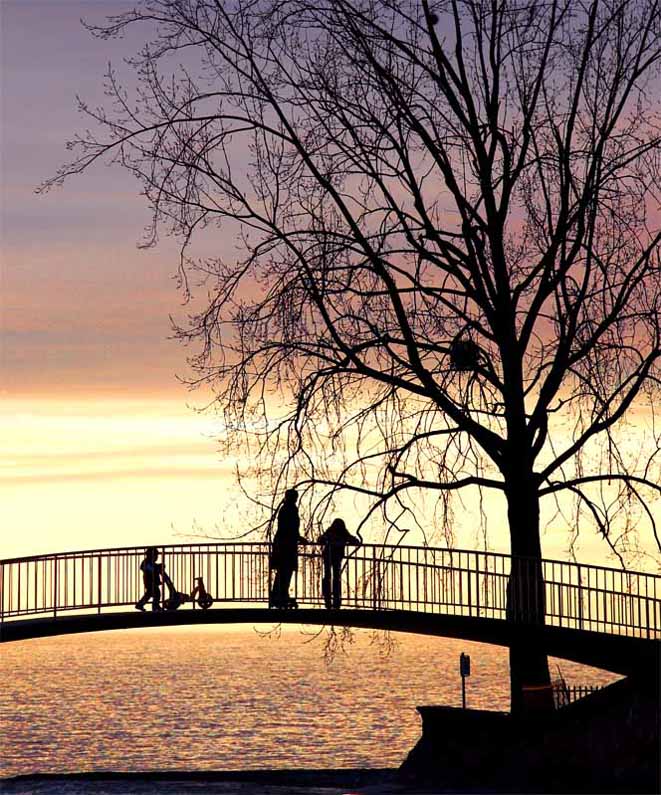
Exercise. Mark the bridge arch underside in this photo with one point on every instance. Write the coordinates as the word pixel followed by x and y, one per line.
pixel 616 653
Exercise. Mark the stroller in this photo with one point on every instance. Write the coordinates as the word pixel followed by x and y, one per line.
pixel 204 599
pixel 177 598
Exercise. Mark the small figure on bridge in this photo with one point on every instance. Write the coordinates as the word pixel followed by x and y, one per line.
pixel 334 541
pixel 284 550
pixel 153 574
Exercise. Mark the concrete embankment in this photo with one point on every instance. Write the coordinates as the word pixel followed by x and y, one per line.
pixel 608 742
pixel 233 782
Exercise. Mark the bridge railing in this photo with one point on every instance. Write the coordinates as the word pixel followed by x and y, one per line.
pixel 375 577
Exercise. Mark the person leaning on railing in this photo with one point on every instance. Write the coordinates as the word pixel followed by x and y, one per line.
pixel 334 542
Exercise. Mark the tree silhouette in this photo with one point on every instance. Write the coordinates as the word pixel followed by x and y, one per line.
pixel 448 221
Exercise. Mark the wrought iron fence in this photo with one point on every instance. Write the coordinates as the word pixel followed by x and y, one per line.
pixel 375 577
pixel 564 694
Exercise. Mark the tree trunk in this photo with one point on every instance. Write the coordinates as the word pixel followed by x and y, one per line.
pixel 529 670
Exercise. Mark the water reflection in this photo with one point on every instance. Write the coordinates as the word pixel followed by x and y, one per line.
pixel 213 699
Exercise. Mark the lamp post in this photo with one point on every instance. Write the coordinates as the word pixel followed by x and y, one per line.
pixel 465 671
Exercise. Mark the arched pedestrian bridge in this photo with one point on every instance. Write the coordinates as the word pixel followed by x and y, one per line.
pixel 595 615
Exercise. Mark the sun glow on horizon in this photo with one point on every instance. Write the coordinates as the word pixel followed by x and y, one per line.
pixel 108 472
pixel 103 473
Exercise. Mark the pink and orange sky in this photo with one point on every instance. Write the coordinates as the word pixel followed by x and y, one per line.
pixel 100 444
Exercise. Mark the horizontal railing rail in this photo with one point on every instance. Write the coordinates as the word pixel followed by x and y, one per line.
pixel 467 583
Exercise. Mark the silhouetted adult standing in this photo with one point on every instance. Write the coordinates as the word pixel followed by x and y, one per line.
pixel 284 551
pixel 334 541
pixel 153 573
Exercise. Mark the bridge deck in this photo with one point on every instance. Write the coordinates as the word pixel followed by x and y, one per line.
pixel 600 616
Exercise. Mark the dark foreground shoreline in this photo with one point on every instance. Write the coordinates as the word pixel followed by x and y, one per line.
pixel 377 781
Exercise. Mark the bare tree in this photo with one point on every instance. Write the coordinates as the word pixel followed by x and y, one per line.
pixel 448 220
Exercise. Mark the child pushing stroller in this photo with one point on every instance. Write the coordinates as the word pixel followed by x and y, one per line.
pixel 199 594
pixel 154 574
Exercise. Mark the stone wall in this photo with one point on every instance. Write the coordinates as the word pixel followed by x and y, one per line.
pixel 607 742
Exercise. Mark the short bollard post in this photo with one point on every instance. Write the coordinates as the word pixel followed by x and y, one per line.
pixel 464 670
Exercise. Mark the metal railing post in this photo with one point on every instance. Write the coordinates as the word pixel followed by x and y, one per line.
pixel 99 591
pixel 580 597
pixel 470 589
pixel 55 584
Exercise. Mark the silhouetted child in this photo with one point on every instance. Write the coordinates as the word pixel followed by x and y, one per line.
pixel 204 599
pixel 334 541
pixel 153 574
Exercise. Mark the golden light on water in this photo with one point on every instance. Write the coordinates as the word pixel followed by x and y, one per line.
pixel 260 701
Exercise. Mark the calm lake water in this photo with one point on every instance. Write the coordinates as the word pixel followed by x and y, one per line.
pixel 219 699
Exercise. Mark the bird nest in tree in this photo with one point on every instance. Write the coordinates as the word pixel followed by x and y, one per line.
pixel 464 355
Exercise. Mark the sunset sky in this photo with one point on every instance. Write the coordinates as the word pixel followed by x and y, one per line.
pixel 99 445
pixel 102 445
